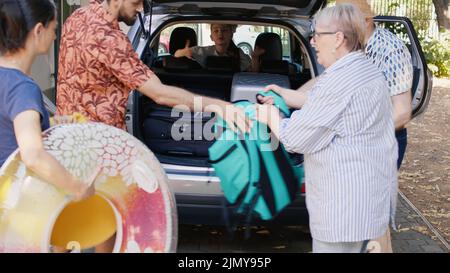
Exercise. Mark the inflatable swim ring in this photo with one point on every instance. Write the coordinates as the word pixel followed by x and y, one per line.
pixel 132 200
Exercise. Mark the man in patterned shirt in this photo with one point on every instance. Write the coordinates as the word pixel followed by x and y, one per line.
pixel 392 57
pixel 98 67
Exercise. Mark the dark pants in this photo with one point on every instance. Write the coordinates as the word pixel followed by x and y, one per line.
pixel 402 140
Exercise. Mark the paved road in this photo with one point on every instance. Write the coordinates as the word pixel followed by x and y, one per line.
pixel 297 238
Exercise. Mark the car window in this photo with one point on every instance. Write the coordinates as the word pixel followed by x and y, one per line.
pixel 244 37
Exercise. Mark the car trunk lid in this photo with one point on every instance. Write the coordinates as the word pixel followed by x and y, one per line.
pixel 280 7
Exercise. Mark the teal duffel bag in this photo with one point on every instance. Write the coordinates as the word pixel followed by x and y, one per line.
pixel 231 158
pixel 259 181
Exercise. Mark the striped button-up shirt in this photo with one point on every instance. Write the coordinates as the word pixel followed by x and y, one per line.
pixel 346 132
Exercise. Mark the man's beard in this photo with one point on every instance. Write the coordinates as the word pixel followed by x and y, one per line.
pixel 129 21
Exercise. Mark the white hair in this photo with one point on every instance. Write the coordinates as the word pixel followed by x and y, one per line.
pixel 347 19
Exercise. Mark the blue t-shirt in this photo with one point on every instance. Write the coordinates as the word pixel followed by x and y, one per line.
pixel 18 93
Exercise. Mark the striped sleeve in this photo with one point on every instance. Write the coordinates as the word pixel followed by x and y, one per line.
pixel 314 126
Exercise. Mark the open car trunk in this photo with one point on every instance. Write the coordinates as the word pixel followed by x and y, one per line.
pixel 182 137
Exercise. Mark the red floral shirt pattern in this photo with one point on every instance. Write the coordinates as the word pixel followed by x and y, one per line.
pixel 97 67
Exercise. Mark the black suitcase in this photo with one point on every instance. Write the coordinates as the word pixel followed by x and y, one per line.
pixel 176 133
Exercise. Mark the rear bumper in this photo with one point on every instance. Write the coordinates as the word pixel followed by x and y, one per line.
pixel 209 210
pixel 200 199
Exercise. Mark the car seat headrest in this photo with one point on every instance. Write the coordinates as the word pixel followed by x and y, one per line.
pixel 179 37
pixel 271 42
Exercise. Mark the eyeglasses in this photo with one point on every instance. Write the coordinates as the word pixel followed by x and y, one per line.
pixel 314 33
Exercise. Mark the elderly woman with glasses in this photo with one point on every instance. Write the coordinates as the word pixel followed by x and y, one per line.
pixel 345 130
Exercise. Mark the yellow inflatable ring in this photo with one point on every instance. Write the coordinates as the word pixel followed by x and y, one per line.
pixel 132 201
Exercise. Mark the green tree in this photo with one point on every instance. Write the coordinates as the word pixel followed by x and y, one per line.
pixel 442 13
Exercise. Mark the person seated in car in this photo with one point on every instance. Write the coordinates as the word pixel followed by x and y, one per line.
pixel 222 36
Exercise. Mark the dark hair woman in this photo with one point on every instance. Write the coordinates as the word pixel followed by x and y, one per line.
pixel 27 29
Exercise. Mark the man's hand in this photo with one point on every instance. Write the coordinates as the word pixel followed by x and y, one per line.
pixel 184 52
pixel 234 116
pixel 236 119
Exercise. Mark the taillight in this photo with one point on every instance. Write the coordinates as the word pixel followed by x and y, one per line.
pixel 303 190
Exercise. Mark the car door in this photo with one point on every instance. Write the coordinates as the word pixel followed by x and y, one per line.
pixel 422 77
